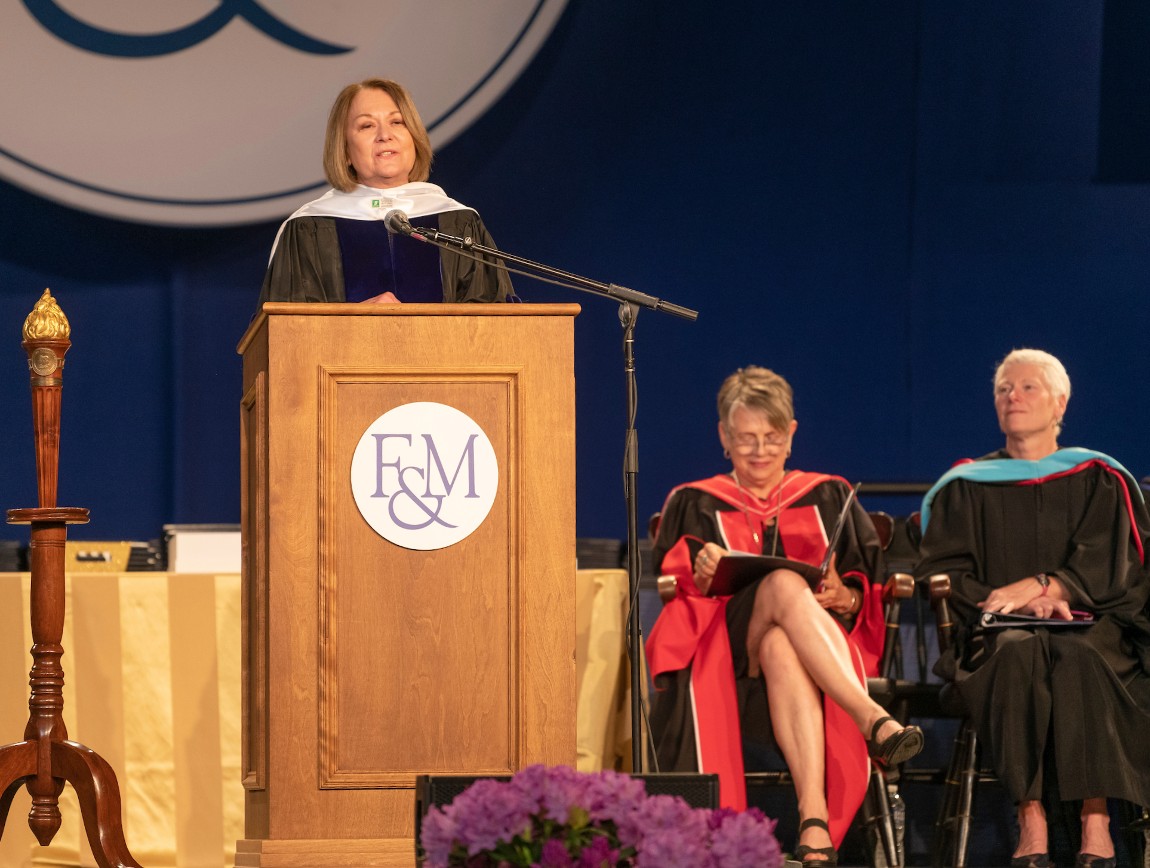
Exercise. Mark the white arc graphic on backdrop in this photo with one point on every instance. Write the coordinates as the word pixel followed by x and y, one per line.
pixel 212 112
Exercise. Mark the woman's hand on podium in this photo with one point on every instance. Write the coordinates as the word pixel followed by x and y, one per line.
pixel 382 298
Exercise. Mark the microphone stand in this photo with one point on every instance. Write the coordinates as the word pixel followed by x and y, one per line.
pixel 563 278
pixel 630 302
pixel 628 313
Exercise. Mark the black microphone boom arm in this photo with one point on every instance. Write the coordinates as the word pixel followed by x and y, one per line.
pixel 397 222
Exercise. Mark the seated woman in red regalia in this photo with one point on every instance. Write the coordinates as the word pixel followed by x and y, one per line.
pixel 777 660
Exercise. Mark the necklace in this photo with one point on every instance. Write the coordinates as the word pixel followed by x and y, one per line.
pixel 745 505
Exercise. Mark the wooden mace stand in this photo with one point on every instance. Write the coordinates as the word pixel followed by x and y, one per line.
pixel 45 760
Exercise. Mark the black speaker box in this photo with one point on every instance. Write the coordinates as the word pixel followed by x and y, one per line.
pixel 698 791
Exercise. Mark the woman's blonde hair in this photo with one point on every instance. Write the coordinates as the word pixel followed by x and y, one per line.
pixel 336 164
pixel 759 389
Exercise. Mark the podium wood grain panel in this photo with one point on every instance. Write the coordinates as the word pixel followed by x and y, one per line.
pixel 254 622
pixel 449 615
pixel 383 663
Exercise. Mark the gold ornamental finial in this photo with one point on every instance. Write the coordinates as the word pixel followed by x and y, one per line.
pixel 46 321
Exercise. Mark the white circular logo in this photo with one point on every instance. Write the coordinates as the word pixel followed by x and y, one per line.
pixel 424 475
pixel 211 112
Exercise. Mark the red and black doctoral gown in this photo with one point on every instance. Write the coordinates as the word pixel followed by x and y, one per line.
pixel 706 702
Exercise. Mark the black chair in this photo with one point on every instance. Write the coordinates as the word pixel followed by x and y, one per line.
pixel 907 698
pixel 890 690
pixel 928 699
pixel 952 828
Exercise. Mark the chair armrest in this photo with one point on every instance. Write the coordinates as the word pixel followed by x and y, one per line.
pixel 898 587
pixel 938 586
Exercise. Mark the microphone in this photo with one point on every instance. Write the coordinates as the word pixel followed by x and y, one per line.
pixel 398 223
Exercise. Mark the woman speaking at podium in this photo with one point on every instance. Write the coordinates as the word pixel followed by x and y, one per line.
pixel 377 157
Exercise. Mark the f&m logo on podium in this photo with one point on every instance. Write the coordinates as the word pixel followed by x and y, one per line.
pixel 424 475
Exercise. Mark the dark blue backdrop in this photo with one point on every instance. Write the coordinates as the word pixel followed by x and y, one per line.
pixel 876 200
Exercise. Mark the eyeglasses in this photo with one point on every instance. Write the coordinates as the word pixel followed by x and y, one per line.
pixel 749 444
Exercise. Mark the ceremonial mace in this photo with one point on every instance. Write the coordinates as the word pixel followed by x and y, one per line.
pixel 45 760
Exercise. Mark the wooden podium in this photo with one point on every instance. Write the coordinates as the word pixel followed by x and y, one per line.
pixel 366 664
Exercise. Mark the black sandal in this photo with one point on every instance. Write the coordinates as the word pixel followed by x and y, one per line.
pixel 897 748
pixel 1091 861
pixel 1031 860
pixel 803 850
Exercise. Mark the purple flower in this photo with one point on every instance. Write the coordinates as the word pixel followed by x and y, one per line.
pixel 490 813
pixel 598 854
pixel 659 816
pixel 482 816
pixel 744 840
pixel 556 789
pixel 665 831
pixel 438 836
pixel 556 817
pixel 720 814
pixel 608 795
pixel 555 855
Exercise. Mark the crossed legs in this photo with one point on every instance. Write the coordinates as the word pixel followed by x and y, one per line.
pixel 802 653
pixel 797 721
pixel 785 605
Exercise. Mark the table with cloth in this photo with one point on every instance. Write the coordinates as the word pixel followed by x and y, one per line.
pixel 152 683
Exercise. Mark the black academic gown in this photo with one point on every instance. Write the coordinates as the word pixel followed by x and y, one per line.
pixel 307 264
pixel 1061 712
pixel 716 510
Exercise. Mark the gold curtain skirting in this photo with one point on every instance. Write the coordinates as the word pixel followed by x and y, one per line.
pixel 603 676
pixel 152 684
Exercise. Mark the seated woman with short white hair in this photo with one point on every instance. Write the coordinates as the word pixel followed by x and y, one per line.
pixel 1032 528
